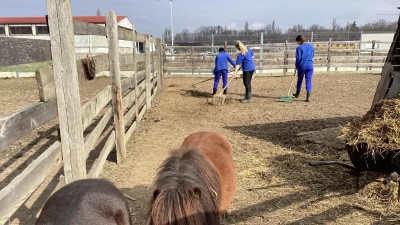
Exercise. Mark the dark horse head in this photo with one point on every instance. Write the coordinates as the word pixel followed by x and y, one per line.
pixel 186 191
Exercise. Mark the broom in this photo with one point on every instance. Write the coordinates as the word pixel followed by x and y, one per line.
pixel 220 99
pixel 288 98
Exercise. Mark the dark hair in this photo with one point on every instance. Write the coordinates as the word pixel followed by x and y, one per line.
pixel 300 38
pixel 221 49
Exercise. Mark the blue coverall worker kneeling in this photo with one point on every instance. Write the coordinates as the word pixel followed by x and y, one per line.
pixel 304 66
pixel 221 69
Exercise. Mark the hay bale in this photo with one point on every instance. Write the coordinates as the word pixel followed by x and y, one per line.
pixel 379 129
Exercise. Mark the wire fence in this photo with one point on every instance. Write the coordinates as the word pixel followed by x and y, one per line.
pixel 257 38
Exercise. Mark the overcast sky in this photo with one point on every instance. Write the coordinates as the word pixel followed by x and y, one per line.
pixel 153 16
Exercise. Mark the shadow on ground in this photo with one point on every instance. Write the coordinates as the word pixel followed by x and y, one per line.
pixel 291 166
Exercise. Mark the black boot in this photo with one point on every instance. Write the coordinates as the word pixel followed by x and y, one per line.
pixel 297 94
pixel 225 91
pixel 308 99
pixel 214 91
pixel 247 98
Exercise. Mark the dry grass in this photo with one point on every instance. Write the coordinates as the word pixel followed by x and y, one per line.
pixel 379 128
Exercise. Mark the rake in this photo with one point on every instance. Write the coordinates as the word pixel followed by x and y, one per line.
pixel 220 99
pixel 288 98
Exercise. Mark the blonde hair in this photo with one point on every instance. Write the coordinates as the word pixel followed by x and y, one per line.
pixel 241 47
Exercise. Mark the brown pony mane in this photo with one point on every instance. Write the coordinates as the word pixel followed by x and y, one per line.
pixel 187 191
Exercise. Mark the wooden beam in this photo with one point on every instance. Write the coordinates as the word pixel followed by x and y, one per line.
pixel 92 108
pixel 140 57
pixel 124 34
pixel 113 46
pixel 383 85
pixel 45 82
pixel 84 28
pixel 98 164
pixel 22 186
pixel 130 115
pixel 140 37
pixel 45 76
pixel 141 114
pixel 129 99
pixel 67 89
pixel 148 73
pixel 18 124
pixel 93 137
pixel 131 130
pixel 125 59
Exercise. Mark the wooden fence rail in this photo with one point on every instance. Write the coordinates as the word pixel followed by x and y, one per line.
pixel 136 94
pixel 279 58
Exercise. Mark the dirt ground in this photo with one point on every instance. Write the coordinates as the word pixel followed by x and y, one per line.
pixel 273 143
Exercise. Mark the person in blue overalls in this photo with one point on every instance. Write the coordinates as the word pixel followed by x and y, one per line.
pixel 304 66
pixel 221 69
pixel 245 60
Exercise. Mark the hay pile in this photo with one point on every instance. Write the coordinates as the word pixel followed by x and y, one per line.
pixel 379 128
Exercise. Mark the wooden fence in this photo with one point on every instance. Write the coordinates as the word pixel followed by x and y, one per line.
pixel 123 102
pixel 278 59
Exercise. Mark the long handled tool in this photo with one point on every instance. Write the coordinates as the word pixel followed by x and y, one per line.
pixel 289 97
pixel 220 99
pixel 194 85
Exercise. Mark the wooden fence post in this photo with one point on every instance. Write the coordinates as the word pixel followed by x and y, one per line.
pixel 67 89
pixel 113 46
pixel 358 55
pixel 372 53
pixel 261 50
pixel 192 58
pixel 148 72
pixel 135 71
pixel 159 61
pixel 286 58
pixel 329 54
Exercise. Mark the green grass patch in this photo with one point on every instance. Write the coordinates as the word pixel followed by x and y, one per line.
pixel 29 67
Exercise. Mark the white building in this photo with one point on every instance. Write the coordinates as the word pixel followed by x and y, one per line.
pixel 36 28
pixel 367 38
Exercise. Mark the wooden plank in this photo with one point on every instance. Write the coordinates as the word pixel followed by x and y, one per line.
pixel 93 137
pixel 148 73
pixel 140 37
pixel 22 186
pixel 130 131
pixel 18 124
pixel 92 108
pixel 129 99
pixel 15 51
pixel 394 89
pixel 45 76
pixel 125 59
pixel 98 164
pixel 84 28
pixel 140 57
pixel 383 84
pixel 115 74
pixel 127 83
pixel 141 114
pixel 159 60
pixel 154 94
pixel 45 82
pixel 141 99
pixel 124 34
pixel 130 115
pixel 135 80
pixel 67 89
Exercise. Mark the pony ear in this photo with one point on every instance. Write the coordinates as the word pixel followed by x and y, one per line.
pixel 197 192
pixel 155 194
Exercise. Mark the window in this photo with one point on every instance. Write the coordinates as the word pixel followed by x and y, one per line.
pixel 42 30
pixel 20 30
pixel 2 31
